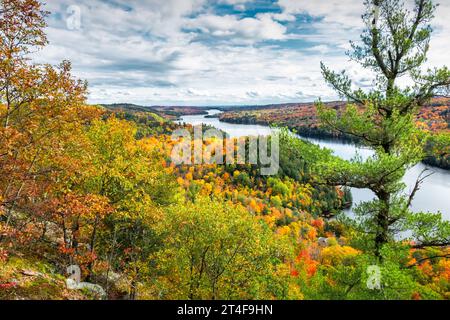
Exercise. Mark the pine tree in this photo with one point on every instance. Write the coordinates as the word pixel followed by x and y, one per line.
pixel 394 47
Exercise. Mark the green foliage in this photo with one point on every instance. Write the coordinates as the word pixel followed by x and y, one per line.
pixel 279 188
pixel 352 280
pixel 429 229
pixel 243 179
pixel 393 46
pixel 216 251
pixel 79 185
pixel 438 150
pixel 126 169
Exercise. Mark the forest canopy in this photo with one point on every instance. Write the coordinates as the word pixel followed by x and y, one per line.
pixel 95 187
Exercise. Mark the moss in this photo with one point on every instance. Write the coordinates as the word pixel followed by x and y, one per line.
pixel 31 279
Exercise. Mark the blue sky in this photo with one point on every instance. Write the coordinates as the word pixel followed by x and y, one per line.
pixel 211 52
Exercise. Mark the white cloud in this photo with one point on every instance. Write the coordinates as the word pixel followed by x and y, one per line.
pixel 239 5
pixel 139 51
pixel 345 12
pixel 253 29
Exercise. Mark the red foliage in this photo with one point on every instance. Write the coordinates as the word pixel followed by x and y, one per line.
pixel 309 264
pixel 318 223
pixel 416 296
pixel 8 285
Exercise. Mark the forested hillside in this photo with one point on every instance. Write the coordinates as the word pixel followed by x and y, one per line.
pixel 93 189
pixel 303 118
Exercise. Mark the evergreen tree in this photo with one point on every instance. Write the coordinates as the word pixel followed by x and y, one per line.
pixel 394 47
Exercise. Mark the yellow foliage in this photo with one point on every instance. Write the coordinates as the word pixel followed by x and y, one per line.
pixel 338 254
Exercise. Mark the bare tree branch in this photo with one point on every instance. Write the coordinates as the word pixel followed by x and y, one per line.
pixel 417 185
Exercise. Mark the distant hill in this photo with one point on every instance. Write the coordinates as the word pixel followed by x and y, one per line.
pixel 272 106
pixel 127 107
pixel 166 112
pixel 435 116
pixel 303 117
pixel 131 110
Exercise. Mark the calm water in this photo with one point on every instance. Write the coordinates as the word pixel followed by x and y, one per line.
pixel 434 195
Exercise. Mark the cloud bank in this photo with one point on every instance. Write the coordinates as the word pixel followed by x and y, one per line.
pixel 205 52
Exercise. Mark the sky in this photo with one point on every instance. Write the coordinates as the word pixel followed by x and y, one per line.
pixel 212 52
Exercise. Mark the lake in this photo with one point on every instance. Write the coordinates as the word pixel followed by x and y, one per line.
pixel 434 195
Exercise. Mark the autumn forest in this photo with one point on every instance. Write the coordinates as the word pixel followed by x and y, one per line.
pixel 92 205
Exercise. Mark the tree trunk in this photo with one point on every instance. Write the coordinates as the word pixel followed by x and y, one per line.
pixel 382 222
